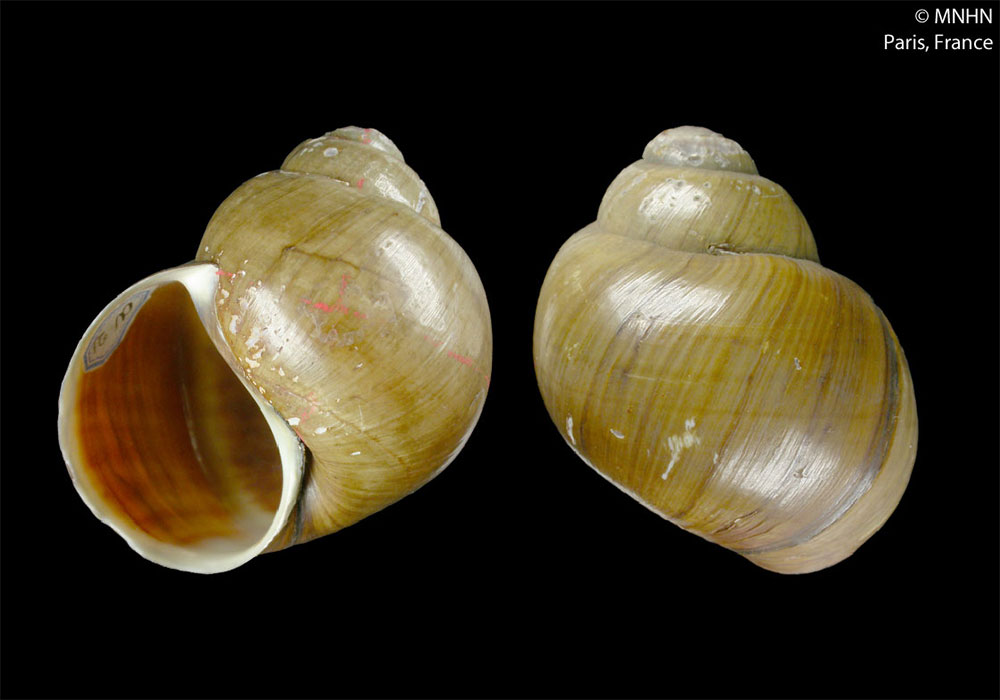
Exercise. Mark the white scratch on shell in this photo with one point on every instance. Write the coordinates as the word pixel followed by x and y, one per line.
pixel 569 429
pixel 679 443
pixel 254 339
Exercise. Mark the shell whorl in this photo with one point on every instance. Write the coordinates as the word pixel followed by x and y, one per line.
pixel 698 147
pixel 367 314
pixel 697 191
pixel 368 160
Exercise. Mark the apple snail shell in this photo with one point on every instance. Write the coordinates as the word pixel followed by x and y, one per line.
pixel 690 348
pixel 327 353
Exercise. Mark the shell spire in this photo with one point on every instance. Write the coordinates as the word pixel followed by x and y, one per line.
pixel 695 190
pixel 366 160
pixel 698 147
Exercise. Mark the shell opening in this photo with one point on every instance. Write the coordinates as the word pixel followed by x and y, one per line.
pixel 164 441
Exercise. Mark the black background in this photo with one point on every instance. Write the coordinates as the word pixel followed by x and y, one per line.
pixel 518 571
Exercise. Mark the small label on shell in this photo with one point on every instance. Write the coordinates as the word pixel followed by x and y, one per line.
pixel 111 330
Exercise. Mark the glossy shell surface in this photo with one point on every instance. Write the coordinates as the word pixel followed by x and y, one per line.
pixel 692 350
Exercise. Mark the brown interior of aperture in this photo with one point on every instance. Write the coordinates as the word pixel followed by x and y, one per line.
pixel 171 439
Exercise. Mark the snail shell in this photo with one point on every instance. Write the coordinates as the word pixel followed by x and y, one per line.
pixel 690 347
pixel 327 353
